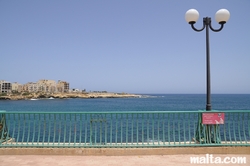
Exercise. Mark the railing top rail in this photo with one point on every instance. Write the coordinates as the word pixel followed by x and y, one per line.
pixel 126 112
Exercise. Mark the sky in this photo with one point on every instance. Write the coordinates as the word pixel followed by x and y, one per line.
pixel 133 46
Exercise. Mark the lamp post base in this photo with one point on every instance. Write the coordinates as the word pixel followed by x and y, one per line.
pixel 205 133
pixel 208 107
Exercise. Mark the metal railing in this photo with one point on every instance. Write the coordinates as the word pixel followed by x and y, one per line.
pixel 122 129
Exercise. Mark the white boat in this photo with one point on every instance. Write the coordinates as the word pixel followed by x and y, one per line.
pixel 33 99
pixel 51 98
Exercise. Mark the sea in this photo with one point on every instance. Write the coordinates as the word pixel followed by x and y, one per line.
pixel 147 102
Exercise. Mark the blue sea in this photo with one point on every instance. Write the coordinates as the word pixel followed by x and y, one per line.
pixel 44 126
pixel 149 102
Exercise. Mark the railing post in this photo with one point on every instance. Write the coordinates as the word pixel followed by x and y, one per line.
pixel 3 127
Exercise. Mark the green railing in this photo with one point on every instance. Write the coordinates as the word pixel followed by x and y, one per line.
pixel 122 129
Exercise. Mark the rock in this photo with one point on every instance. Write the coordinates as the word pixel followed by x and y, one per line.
pixel 68 95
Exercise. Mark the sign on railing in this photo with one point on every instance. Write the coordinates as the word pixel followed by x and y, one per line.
pixel 213 118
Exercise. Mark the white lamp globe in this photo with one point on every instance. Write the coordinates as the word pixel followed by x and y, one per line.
pixel 222 16
pixel 192 15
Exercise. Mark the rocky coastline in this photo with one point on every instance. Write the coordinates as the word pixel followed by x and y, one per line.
pixel 28 96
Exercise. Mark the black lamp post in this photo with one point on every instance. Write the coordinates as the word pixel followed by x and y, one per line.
pixel 221 17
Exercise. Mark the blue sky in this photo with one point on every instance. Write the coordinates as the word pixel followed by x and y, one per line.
pixel 134 46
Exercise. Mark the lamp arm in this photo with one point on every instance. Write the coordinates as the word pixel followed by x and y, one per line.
pixel 197 30
pixel 217 30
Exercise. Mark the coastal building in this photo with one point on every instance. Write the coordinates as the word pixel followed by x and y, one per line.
pixel 48 86
pixel 5 86
pixel 62 86
pixel 75 90
pixel 30 87
pixel 16 87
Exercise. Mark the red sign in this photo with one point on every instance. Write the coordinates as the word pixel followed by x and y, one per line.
pixel 213 118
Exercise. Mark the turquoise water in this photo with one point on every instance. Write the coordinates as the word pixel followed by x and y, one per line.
pixel 152 102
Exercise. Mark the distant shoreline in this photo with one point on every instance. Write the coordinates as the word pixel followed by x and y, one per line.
pixel 34 96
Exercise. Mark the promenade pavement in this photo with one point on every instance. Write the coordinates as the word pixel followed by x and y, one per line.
pixel 143 160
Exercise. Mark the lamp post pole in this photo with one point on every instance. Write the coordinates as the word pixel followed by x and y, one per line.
pixel 222 16
pixel 208 105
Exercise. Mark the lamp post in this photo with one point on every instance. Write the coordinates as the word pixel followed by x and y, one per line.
pixel 221 17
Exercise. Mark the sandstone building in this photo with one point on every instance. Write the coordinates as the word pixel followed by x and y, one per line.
pixel 46 86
